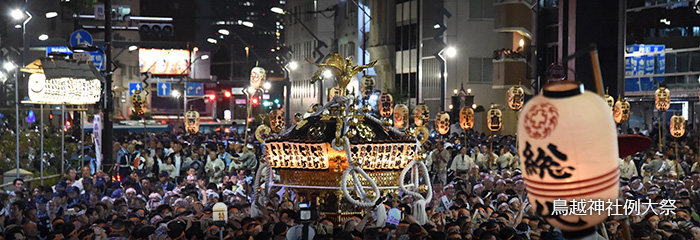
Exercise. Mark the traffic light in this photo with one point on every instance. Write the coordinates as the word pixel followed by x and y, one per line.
pixel 255 101
pixel 66 126
pixel 277 101
pixel 50 116
pixel 227 94
pixel 212 97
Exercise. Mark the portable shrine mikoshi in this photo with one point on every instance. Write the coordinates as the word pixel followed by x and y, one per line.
pixel 342 156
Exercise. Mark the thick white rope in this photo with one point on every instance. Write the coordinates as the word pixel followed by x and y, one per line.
pixel 357 185
pixel 258 201
pixel 419 208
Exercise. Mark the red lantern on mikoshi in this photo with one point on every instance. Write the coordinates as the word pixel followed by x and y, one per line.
pixel 568 150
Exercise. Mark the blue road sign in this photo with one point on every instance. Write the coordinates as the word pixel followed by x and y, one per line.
pixel 98 58
pixel 133 87
pixel 164 89
pixel 194 89
pixel 80 37
pixel 58 49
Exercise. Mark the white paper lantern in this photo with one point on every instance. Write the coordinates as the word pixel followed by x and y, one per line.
pixel 277 120
pixel 385 105
pixel 568 150
pixel 622 111
pixel 466 117
pixel 515 97
pixel 192 122
pixel 662 98
pixel 138 101
pixel 677 126
pixel 442 122
pixel 421 115
pixel 257 76
pixel 495 118
pixel 400 116
pixel 610 101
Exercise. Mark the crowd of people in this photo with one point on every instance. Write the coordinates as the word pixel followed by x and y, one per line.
pixel 164 186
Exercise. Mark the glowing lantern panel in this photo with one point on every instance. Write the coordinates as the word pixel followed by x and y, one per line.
pixel 192 122
pixel 442 122
pixel 400 116
pixel 421 115
pixel 515 97
pixel 495 117
pixel 662 99
pixel 677 126
pixel 257 76
pixel 466 117
pixel 622 111
pixel 385 105
pixel 568 147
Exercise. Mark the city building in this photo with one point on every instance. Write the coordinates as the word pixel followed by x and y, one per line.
pixel 424 49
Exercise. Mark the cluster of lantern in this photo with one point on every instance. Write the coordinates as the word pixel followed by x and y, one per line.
pixel 494 118
pixel 192 122
pixel 556 168
pixel 385 156
pixel 677 126
pixel 139 102
pixel 63 90
pixel 621 111
pixel 442 122
pixel 515 97
pixel 466 118
pixel 662 99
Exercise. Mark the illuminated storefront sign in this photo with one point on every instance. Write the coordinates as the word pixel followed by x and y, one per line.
pixel 164 61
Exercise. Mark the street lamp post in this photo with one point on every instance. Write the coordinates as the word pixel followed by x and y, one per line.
pixel 17 116
pixel 450 52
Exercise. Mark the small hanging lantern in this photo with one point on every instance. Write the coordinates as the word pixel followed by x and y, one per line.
pixel 622 111
pixel 138 101
pixel 192 122
pixel 442 122
pixel 677 126
pixel 421 115
pixel 277 120
pixel 662 98
pixel 400 116
pixel 515 97
pixel 466 117
pixel 257 76
pixel 567 143
pixel 385 105
pixel 367 86
pixel 609 100
pixel 495 117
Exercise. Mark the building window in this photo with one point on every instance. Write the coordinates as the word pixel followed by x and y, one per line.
pixel 406 37
pixel 407 83
pixel 480 70
pixel 481 9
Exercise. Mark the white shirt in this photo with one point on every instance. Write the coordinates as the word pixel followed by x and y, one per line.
pixel 628 169
pixel 461 163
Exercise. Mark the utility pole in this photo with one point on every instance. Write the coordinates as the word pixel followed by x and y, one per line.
pixel 108 104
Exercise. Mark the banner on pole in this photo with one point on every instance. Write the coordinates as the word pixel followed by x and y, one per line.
pixel 97 133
